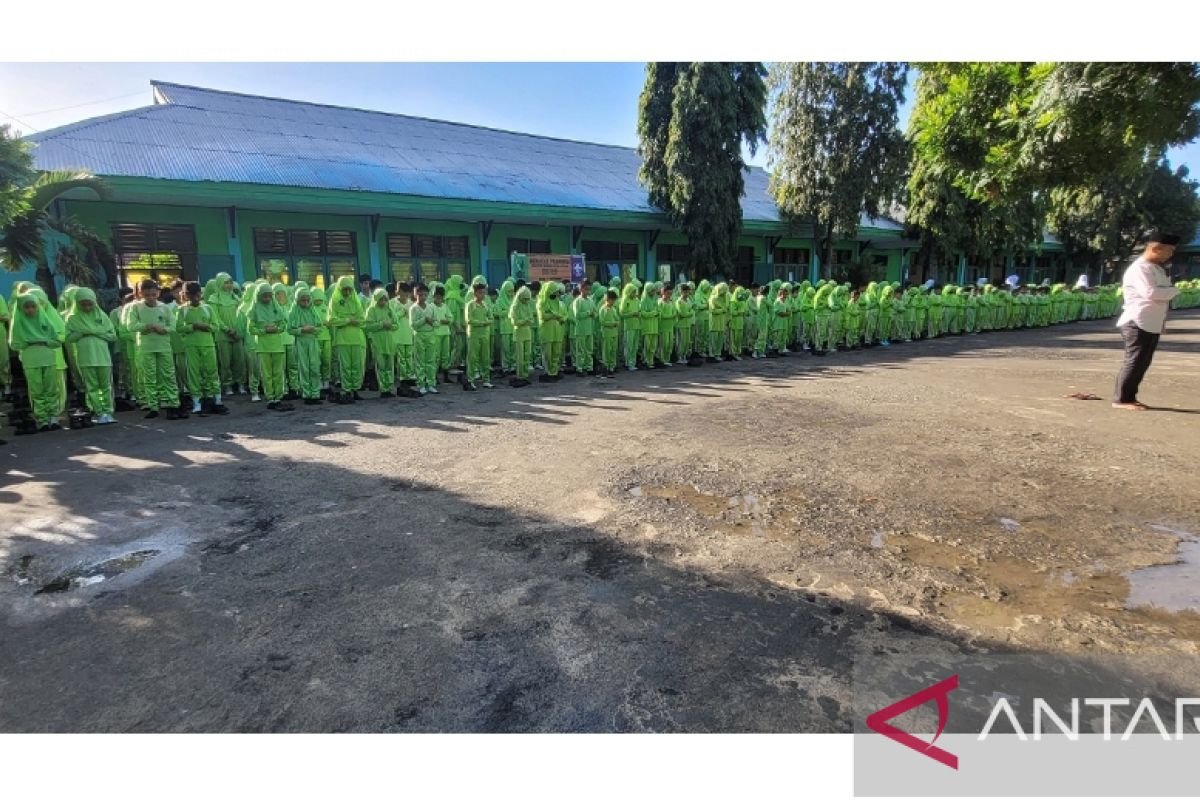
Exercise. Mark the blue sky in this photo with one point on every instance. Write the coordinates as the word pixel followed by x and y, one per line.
pixel 587 101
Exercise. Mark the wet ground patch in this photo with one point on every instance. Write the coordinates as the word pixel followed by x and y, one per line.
pixel 93 574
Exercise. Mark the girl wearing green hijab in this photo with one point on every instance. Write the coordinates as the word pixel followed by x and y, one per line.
pixel 346 319
pixel 631 325
pixel 551 323
pixel 380 327
pixel 781 320
pixel 762 321
pixel 324 338
pixel 35 339
pixel 666 326
pixel 718 321
pixel 267 322
pixel 305 322
pixel 253 374
pixel 91 332
pixel 685 321
pixel 504 301
pixel 520 315
pixel 230 366
pixel 739 309
pixel 283 296
pixel 648 318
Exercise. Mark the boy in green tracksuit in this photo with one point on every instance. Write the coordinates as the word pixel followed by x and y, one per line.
pixel 648 315
pixel 477 318
pixel 583 311
pixel 152 324
pixel 504 301
pixel 425 344
pixel 609 320
pixel 521 315
pixel 172 302
pixel 200 326
pixel 35 340
pixel 91 332
pixel 738 310
pixel 551 323
pixel 667 315
pixel 304 323
pixel 443 332
pixel 266 322
pixel 406 368
pixel 346 320
pixel 685 321
pixel 718 321
pixel 380 326
pixel 631 325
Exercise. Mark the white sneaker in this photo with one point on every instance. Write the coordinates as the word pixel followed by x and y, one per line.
pixel 631 369
pixel 195 406
pixel 241 390
pixel 421 390
pixel 680 362
pixel 785 351
pixel 488 385
pixel 737 358
pixel 433 390
pixel 254 398
pixel 105 419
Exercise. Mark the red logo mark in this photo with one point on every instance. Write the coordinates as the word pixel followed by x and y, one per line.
pixel 878 721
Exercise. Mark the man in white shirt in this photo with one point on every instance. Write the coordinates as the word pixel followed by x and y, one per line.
pixel 1147 293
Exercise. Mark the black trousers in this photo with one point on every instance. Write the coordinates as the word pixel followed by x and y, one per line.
pixel 1139 352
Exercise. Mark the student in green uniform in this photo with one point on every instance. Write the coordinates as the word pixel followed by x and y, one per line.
pixel 667 316
pixel 685 321
pixel 739 310
pixel 424 325
pixel 305 322
pixel 477 319
pixel 346 320
pixel 551 321
pixel 718 321
pixel 609 320
pixel 324 337
pixel 521 315
pixel 583 312
pixel 631 325
pixel 200 326
pixel 648 318
pixel 253 376
pixel 152 324
pixel 123 348
pixel 34 338
pixel 504 301
pixel 762 321
pixel 91 333
pixel 703 318
pixel 266 323
pixel 229 350
pixel 283 296
pixel 406 367
pixel 781 320
pixel 444 332
pixel 380 327
pixel 5 360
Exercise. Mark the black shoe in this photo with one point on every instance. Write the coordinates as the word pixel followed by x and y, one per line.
pixel 356 396
pixel 281 406
pixel 272 406
pixel 151 414
pixel 710 359
pixel 383 395
pixel 545 378
pixel 468 387
pixel 219 408
pixel 311 401
pixel 173 413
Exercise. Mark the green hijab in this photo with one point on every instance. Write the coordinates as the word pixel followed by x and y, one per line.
pixel 38 328
pixel 344 308
pixel 89 323
pixel 263 314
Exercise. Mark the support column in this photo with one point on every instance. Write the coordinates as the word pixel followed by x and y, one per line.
pixel 770 251
pixel 234 244
pixel 373 246
pixel 484 232
pixel 651 261
pixel 962 269
pixel 814 265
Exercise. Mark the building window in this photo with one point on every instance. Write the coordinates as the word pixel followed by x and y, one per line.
pixel 879 260
pixel 676 254
pixel 843 256
pixel 743 266
pixel 162 252
pixel 528 246
pixel 598 255
pixel 316 257
pixel 793 256
pixel 422 258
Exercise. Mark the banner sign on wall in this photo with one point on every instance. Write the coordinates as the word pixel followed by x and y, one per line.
pixel 520 267
pixel 550 267
pixel 578 269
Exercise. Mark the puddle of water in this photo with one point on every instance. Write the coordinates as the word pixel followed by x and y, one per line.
pixel 96 573
pixel 1170 587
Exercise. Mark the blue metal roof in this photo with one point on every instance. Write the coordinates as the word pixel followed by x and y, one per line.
pixel 196 134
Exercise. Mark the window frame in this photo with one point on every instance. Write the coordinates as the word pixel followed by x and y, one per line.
pixel 157 245
pixel 287 251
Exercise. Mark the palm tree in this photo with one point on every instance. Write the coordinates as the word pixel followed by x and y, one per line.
pixel 22 239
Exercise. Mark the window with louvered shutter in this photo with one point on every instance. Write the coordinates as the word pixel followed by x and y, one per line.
pixel 175 238
pixel 400 245
pixel 132 237
pixel 456 247
pixel 339 243
pixel 270 240
pixel 305 243
pixel 428 246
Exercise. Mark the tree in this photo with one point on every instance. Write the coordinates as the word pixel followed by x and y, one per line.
pixel 22 239
pixel 836 149
pixel 693 120
pixel 1102 221
pixel 16 173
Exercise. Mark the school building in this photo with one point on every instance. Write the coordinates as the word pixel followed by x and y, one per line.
pixel 206 181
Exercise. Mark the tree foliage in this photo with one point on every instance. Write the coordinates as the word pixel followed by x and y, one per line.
pixel 836 150
pixel 16 174
pixel 693 120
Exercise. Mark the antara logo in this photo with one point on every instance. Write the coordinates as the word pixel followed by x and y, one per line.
pixel 878 721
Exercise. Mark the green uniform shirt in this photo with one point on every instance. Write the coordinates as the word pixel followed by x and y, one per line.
pixel 140 316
